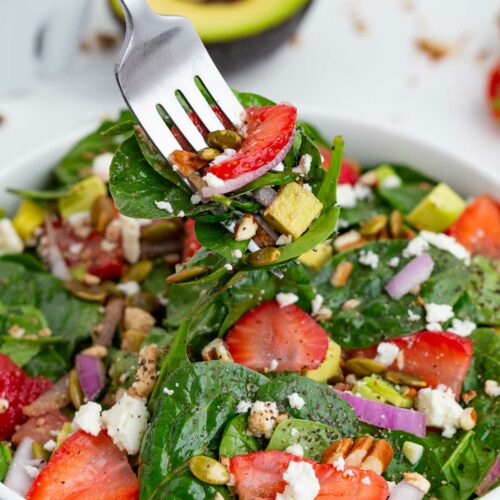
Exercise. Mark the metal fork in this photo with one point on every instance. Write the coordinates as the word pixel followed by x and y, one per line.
pixel 161 57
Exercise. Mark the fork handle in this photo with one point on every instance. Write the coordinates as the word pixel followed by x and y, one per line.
pixel 135 9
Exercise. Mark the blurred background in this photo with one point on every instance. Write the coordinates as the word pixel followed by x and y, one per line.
pixel 420 67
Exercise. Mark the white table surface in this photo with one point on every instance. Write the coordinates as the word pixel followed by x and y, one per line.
pixel 377 76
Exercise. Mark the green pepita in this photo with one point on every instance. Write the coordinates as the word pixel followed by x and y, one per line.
pixel 102 213
pixel 139 271
pixel 162 231
pixel 75 391
pixel 404 378
pixel 144 300
pixel 224 139
pixel 362 367
pixel 38 451
pixel 90 293
pixel 264 256
pixel 64 433
pixel 132 340
pixel 396 224
pixel 374 225
pixel 187 274
pixel 208 470
pixel 209 154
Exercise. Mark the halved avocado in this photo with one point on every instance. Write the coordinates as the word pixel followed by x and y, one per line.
pixel 236 32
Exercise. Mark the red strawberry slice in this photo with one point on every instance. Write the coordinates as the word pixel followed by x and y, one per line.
pixel 89 467
pixel 41 428
pixel 478 228
pixel 437 357
pixel 106 263
pixel 259 476
pixel 269 136
pixel 285 334
pixel 18 390
pixel 191 244
pixel 349 169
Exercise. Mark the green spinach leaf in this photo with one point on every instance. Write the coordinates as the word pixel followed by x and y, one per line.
pixel 405 197
pixel 236 440
pixel 5 459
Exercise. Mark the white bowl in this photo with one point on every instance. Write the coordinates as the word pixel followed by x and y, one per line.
pixel 366 143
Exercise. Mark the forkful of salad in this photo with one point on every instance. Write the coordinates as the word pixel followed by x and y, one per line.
pixel 217 147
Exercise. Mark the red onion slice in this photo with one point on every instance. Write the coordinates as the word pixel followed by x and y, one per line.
pixel 417 271
pixel 490 478
pixel 231 185
pixel 386 416
pixel 90 375
pixel 406 491
pixel 55 258
pixel 18 476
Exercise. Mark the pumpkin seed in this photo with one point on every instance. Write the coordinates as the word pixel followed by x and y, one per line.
pixel 102 213
pixel 208 470
pixel 90 293
pixel 139 271
pixel 132 340
pixel 38 451
pixel 161 231
pixel 396 224
pixel 187 274
pixel 405 378
pixel 364 366
pixel 64 433
pixel 264 256
pixel 224 139
pixel 374 225
pixel 209 154
pixel 75 391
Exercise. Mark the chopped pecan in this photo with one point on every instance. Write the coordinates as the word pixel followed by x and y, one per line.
pixel 187 162
pixel 336 450
pixel 246 228
pixel 341 274
pixel 216 350
pixel 263 238
pixel 145 376
pixel 138 320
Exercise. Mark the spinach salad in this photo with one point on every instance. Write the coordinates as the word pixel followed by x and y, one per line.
pixel 262 319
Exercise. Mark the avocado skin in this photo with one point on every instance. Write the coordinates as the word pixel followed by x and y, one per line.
pixel 237 54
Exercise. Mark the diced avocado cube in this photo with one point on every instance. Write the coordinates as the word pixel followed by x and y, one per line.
pixel 317 257
pixel 28 217
pixel 387 391
pixel 387 176
pixel 82 197
pixel 293 210
pixel 438 210
pixel 330 367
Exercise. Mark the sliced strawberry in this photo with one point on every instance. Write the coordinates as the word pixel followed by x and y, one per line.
pixel 437 357
pixel 349 169
pixel 259 476
pixel 41 428
pixel 269 133
pixel 191 244
pixel 89 467
pixel 493 92
pixel 478 228
pixel 351 483
pixel 106 263
pixel 285 334
pixel 18 390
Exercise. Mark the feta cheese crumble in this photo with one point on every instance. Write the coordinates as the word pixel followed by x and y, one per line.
pixel 195 199
pixel 296 401
pixel 491 388
pixel 390 182
pixel 368 258
pixel 412 316
pixel 237 253
pixel 302 483
pixel 286 299
pixel 339 464
pixel 316 303
pixel 304 165
pixel 167 391
pixel 129 287
pixel 126 423
pixel 262 419
pixel 394 262
pixel 88 418
pixel 165 205
pixel 283 239
pixel 295 449
pixel 273 365
pixel 226 155
pixel 213 181
pixel 462 327
pixel 438 313
pixel 417 246
pixel 228 266
pixel 387 352
pixel 448 243
pixel 131 235
pixel 294 432
pixel 101 165
pixel 440 409
pixel 49 445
